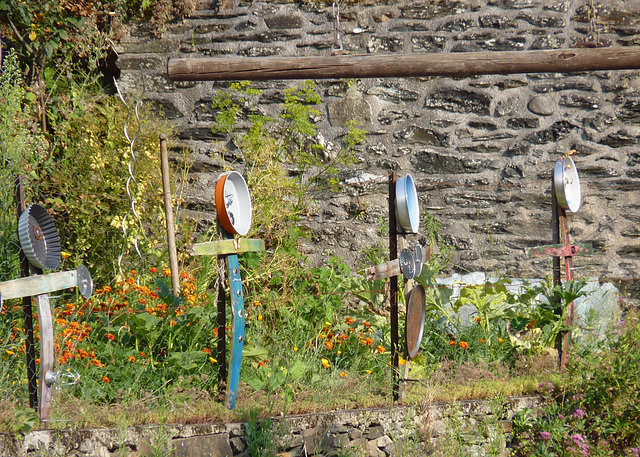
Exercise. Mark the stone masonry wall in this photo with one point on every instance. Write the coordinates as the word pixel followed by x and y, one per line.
pixel 475 428
pixel 480 149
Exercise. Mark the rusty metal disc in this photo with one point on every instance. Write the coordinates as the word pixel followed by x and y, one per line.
pixel 414 325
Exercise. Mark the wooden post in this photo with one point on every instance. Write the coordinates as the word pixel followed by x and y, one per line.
pixel 168 209
pixel 404 65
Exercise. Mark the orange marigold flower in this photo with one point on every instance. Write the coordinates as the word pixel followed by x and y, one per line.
pixel 401 361
pixel 105 379
pixel 325 363
pixel 133 272
pixel 366 324
pixel 463 344
pixel 452 343
pixel 206 350
pixel 142 354
pixel 107 289
pixel 478 319
pixel 380 349
pixel 166 271
pixel 131 358
pixel 153 270
pixel 328 344
pixel 349 320
pixel 184 275
pixel 97 363
pixel 480 340
pixel 110 336
pixel 500 340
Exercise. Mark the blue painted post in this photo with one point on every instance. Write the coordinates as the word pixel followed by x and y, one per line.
pixel 237 329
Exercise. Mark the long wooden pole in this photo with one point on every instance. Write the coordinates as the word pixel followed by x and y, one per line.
pixel 406 65
pixel 168 209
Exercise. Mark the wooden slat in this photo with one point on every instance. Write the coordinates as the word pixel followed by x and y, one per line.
pixel 560 250
pixel 223 247
pixel 45 321
pixel 404 65
pixel 39 284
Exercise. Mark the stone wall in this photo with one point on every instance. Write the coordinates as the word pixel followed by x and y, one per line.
pixel 481 149
pixel 477 428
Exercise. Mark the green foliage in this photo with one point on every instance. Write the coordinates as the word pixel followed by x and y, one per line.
pixel 261 436
pixel 86 186
pixel 597 412
pixel 20 151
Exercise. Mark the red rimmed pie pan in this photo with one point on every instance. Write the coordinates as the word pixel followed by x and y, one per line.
pixel 233 203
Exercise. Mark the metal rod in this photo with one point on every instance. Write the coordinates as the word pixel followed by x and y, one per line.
pixel 393 287
pixel 168 209
pixel 222 323
pixel 27 309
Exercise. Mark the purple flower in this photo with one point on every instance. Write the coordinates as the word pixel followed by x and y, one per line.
pixel 545 436
pixel 577 439
pixel 579 414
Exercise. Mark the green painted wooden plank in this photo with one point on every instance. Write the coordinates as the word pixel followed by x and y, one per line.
pixel 38 284
pixel 227 247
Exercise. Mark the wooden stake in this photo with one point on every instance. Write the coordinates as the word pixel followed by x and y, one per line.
pixel 404 65
pixel 168 209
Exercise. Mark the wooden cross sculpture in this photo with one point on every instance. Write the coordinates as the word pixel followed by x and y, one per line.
pixel 40 250
pixel 404 218
pixel 565 194
pixel 233 205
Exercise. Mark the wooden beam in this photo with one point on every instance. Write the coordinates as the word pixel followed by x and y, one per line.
pixel 404 65
pixel 224 247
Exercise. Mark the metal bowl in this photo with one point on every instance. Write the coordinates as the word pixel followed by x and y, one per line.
pixel 566 184
pixel 233 203
pixel 407 207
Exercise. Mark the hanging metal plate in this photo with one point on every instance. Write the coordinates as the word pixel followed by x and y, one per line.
pixel 414 325
pixel 85 283
pixel 566 184
pixel 407 264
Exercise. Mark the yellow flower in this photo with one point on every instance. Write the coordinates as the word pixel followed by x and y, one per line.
pixel 33 35
pixel 368 371
pixel 10 352
pixel 295 349
pixel 343 374
pixel 212 360
pixel 325 363
pixel 500 340
pixel 380 349
pixel 339 352
pixel 259 317
pixel 401 361
pixel 65 255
